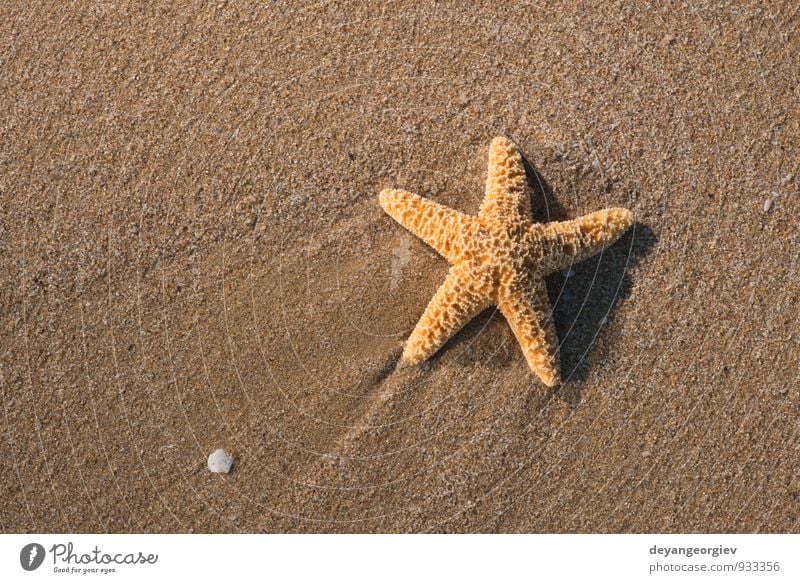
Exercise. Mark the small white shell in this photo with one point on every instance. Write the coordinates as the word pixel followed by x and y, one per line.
pixel 220 462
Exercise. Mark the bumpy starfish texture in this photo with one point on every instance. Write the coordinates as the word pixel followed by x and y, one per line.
pixel 501 258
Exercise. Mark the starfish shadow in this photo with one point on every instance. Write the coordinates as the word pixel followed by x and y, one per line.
pixel 550 208
pixel 586 302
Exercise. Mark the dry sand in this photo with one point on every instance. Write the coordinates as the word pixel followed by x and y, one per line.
pixel 193 257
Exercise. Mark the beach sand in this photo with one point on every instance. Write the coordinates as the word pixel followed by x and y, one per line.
pixel 193 257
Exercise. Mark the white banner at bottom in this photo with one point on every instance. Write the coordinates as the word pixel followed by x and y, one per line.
pixel 355 558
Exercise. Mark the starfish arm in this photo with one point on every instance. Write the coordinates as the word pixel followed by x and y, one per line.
pixel 507 200
pixel 569 242
pixel 439 226
pixel 527 310
pixel 455 303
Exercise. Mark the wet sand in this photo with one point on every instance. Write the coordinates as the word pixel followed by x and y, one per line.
pixel 193 257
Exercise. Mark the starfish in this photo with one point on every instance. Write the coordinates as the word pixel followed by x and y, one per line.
pixel 501 258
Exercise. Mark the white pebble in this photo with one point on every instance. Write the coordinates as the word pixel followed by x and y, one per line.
pixel 220 462
pixel 768 204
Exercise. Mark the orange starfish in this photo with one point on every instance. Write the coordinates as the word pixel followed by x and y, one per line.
pixel 501 258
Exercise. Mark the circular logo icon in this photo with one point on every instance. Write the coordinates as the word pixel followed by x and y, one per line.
pixel 31 556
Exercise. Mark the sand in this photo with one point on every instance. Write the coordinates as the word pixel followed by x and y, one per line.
pixel 193 257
